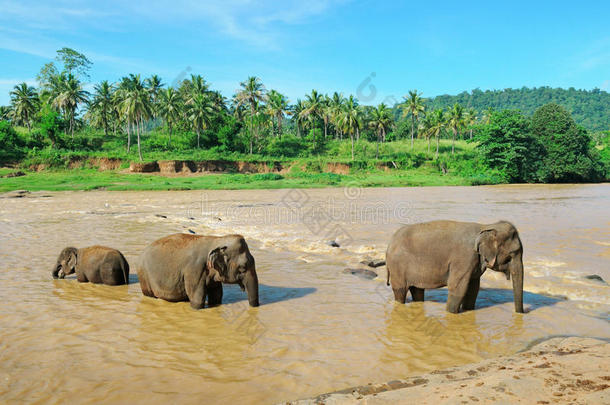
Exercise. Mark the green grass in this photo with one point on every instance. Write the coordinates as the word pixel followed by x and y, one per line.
pixel 91 179
pixel 409 167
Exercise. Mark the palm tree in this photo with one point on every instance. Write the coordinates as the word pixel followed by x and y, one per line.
pixel 350 120
pixel 154 85
pixel 277 106
pixel 381 121
pixel 413 105
pixel 313 110
pixel 252 92
pixel 437 127
pixel 170 108
pixel 336 104
pixel 470 119
pixel 70 96
pixel 296 111
pixel 425 128
pixel 455 122
pixel 5 112
pixel 201 112
pixel 487 115
pixel 135 106
pixel 102 103
pixel 24 100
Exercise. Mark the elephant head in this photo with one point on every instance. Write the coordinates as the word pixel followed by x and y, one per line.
pixel 500 249
pixel 66 263
pixel 232 263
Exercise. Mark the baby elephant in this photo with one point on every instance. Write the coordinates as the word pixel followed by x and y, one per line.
pixel 184 267
pixel 97 264
pixel 453 254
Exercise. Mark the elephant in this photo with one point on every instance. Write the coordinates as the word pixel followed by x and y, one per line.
pixel 185 267
pixel 97 264
pixel 453 254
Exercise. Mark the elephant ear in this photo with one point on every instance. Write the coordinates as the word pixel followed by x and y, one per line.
pixel 217 262
pixel 487 246
pixel 72 261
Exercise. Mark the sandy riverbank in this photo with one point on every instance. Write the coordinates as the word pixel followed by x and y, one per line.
pixel 557 371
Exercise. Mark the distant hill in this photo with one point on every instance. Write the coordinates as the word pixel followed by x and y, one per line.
pixel 591 109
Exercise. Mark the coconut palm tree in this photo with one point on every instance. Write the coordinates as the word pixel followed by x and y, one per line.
pixel 487 115
pixel 381 121
pixel 201 112
pixel 314 105
pixel 437 126
pixel 70 96
pixel 135 106
pixel 5 112
pixel 154 85
pixel 425 128
pixel 170 108
pixel 470 119
pixel 277 106
pixel 24 101
pixel 350 120
pixel 336 104
pixel 102 103
pixel 415 106
pixel 295 112
pixel 455 121
pixel 252 92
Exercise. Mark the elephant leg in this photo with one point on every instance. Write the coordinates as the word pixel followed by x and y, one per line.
pixel 81 277
pixel 471 294
pixel 400 294
pixel 214 293
pixel 111 275
pixel 417 294
pixel 146 290
pixel 194 285
pixel 457 290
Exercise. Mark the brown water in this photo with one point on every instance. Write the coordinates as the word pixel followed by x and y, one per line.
pixel 317 329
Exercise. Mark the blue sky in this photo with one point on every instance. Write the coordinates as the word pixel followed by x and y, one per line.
pixel 375 50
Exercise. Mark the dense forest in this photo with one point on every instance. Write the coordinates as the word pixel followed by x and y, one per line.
pixel 591 109
pixel 518 136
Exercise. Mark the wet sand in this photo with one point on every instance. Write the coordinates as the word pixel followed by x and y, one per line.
pixel 557 371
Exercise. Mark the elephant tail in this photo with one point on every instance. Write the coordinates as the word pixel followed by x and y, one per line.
pixel 125 267
pixel 388 273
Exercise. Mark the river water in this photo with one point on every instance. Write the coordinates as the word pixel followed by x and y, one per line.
pixel 318 329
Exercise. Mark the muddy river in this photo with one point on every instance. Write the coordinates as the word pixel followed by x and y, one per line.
pixel 318 329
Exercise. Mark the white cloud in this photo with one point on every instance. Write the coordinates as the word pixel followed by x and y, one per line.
pixel 256 22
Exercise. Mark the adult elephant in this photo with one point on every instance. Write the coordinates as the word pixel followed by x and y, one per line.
pixel 184 267
pixel 97 264
pixel 453 254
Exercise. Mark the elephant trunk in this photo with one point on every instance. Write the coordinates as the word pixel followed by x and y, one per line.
pixel 55 272
pixel 516 272
pixel 250 282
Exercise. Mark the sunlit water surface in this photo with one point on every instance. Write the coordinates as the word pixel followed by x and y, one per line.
pixel 317 329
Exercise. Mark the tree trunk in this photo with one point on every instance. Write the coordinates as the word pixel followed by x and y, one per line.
pixel 412 129
pixel 128 137
pixel 170 134
pixel 325 128
pixel 437 141
pixel 138 129
pixel 198 132
pixel 377 153
pixel 352 136
pixel 279 126
pixel 471 134
pixel 428 144
pixel 453 141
